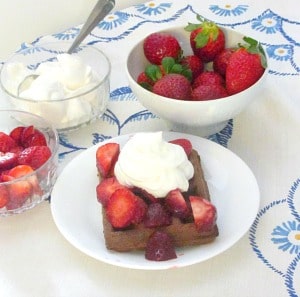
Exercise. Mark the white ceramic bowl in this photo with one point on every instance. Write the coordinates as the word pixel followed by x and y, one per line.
pixel 40 181
pixel 70 111
pixel 201 118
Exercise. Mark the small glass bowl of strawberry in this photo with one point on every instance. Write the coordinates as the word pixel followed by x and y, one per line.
pixel 28 161
pixel 197 77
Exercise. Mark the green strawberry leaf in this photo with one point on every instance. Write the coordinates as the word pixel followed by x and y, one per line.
pixel 146 86
pixel 167 64
pixel 254 47
pixel 153 72
pixel 201 39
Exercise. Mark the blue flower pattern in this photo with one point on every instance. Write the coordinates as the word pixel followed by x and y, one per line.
pixel 285 237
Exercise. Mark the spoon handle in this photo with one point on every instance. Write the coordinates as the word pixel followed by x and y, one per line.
pixel 101 9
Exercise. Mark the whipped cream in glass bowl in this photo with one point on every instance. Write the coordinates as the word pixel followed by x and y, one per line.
pixel 149 162
pixel 70 90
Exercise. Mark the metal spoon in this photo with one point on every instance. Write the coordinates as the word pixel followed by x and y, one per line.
pixel 99 12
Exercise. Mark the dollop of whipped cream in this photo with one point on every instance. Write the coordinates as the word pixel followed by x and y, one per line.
pixel 67 76
pixel 63 78
pixel 149 162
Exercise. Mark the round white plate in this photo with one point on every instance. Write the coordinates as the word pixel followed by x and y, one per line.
pixel 232 185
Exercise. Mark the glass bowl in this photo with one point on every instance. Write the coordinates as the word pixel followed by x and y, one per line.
pixel 69 97
pixel 23 192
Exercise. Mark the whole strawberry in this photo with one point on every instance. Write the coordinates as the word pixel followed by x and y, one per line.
pixel 194 63
pixel 207 39
pixel 208 78
pixel 159 45
pixel 208 92
pixel 174 86
pixel 245 66
pixel 221 61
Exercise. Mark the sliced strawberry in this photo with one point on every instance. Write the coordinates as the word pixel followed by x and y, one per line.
pixel 177 205
pixel 27 133
pixel 160 247
pixel 157 216
pixel 19 192
pixel 123 208
pixel 6 143
pixel 147 197
pixel 23 170
pixel 4 196
pixel 16 134
pixel 36 139
pixel 204 213
pixel 140 211
pixel 34 156
pixel 106 158
pixel 8 160
pixel 106 188
pixel 184 143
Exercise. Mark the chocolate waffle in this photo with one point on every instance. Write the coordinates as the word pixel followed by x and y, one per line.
pixel 183 232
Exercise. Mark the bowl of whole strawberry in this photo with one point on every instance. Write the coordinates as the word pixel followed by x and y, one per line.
pixel 197 77
pixel 28 161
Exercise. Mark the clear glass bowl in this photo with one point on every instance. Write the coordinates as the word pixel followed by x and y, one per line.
pixel 67 113
pixel 41 179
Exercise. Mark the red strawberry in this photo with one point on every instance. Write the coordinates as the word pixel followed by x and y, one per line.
pixel 19 192
pixel 207 39
pixel 6 143
pixel 106 158
pixel 177 205
pixel 145 81
pixel 204 213
pixel 147 197
pixel 8 160
pixel 16 134
pixel 32 137
pixel 221 61
pixel 106 188
pixel 208 78
pixel 34 156
pixel 124 208
pixel 194 63
pixel 184 143
pixel 160 45
pixel 174 86
pixel 4 196
pixel 160 247
pixel 208 92
pixel 245 66
pixel 157 216
pixel 23 170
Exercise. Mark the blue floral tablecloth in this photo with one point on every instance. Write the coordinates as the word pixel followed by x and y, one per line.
pixel 266 262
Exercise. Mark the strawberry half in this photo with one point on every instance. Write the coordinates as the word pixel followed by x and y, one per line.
pixel 177 205
pixel 4 196
pixel 8 160
pixel 124 208
pixel 6 143
pixel 157 216
pixel 106 188
pixel 34 156
pixel 19 192
pixel 204 213
pixel 160 247
pixel 106 158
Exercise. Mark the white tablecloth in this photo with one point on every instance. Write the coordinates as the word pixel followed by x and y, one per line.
pixel 36 260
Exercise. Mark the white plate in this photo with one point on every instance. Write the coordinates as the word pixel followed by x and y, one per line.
pixel 232 186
